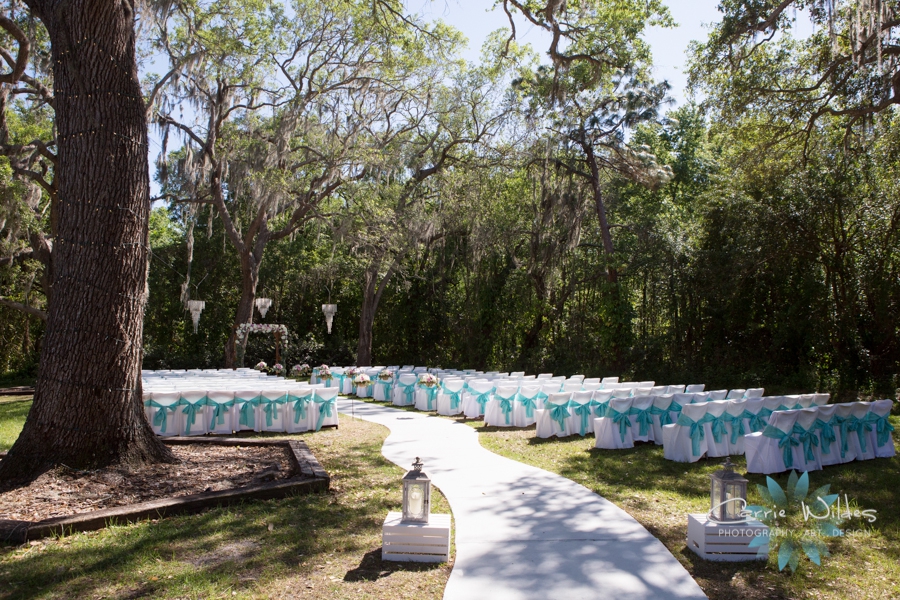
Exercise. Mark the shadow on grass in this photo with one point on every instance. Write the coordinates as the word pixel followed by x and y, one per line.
pixel 372 568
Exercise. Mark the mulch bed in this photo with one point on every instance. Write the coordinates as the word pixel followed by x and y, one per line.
pixel 203 468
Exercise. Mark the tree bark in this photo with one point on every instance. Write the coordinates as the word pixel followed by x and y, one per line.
pixel 87 411
pixel 244 314
pixel 612 275
pixel 367 316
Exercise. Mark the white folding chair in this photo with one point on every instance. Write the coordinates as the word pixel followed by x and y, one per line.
pixel 572 386
pixel 476 399
pixel 162 412
pixel 449 400
pixel 405 390
pixel 590 387
pixel 527 402
pixel 821 399
pixel 578 378
pixel 499 409
pixel 766 451
pixel 608 380
pixel 659 390
pixel 735 394
pixel 717 394
pixel 553 419
pixel 426 397
pixel 298 411
pixel 715 428
pixel 192 406
pixel 880 437
pixel 220 411
pixel 324 408
pixel 807 453
pixel 614 431
pixel 270 412
pixel 245 404
pixel 860 429
pixel 829 435
pixel 737 428
pixel 685 440
pixel 754 393
pixel 677 389
pixel 581 419
pixel 662 415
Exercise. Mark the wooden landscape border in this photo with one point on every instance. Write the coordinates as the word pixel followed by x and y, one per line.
pixel 309 477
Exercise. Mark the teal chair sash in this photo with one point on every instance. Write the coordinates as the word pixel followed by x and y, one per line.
pixel 809 439
pixel 600 407
pixel 161 419
pixel 506 406
pixel 643 418
pixel 786 441
pixel 665 418
pixel 431 392
pixel 339 377
pixel 248 411
pixel 218 412
pixel 737 426
pixel 844 424
pixel 300 404
pixel 758 421
pixel 559 413
pixel 883 428
pixel 696 432
pixel 622 419
pixel 584 411
pixel 861 427
pixel 718 427
pixel 530 404
pixel 270 406
pixel 386 387
pixel 408 389
pixel 326 409
pixel 482 400
pixel 826 435
pixel 190 411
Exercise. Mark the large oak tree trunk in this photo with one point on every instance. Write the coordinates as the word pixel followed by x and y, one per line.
pixel 367 317
pixel 87 410
pixel 244 314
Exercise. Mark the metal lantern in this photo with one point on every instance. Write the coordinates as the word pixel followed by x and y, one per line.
pixel 728 494
pixel 262 305
pixel 330 310
pixel 196 307
pixel 416 495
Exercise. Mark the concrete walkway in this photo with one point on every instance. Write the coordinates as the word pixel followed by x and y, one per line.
pixel 522 532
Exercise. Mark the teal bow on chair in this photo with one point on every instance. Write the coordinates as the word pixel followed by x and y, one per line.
pixel 696 432
pixel 644 419
pixel 386 388
pixel 326 409
pixel 529 404
pixel 339 377
pixel 844 424
pixel 300 404
pixel 808 438
pixel 758 421
pixel 218 412
pixel 861 427
pixel 883 427
pixel 663 413
pixel 248 412
pixel 160 419
pixel 826 435
pixel 559 413
pixel 737 426
pixel 600 407
pixel 271 407
pixel 622 419
pixel 506 405
pixel 455 397
pixel 786 441
pixel 408 389
pixel 584 411
pixel 482 400
pixel 190 411
pixel 718 427
pixel 431 392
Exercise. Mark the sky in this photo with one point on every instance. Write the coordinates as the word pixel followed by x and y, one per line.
pixel 476 20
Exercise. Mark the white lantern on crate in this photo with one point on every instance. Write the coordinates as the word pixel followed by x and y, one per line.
pixel 416 495
pixel 196 307
pixel 727 495
pixel 329 311
pixel 263 305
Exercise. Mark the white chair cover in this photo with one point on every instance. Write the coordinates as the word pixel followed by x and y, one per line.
pixel 754 393
pixel 685 440
pixel 529 400
pixel 192 406
pixel 581 419
pixel 715 429
pixel 270 412
pixel 476 399
pixel 695 387
pixel 220 411
pixel 553 419
pixel 662 415
pixel 807 453
pixel 737 427
pixel 449 401
pixel 245 404
pixel 499 409
pixel 324 408
pixel 717 394
pixel 614 431
pixel 641 415
pixel 881 436
pixel 404 393
pixel 734 394
pixel 767 451
pixel 298 411
pixel 162 412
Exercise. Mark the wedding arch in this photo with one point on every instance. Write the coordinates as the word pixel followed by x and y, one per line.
pixel 279 332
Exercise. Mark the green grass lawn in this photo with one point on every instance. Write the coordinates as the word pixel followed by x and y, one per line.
pixel 317 546
pixel 13 410
pixel 660 493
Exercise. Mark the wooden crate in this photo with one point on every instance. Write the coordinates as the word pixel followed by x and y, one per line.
pixel 724 542
pixel 416 542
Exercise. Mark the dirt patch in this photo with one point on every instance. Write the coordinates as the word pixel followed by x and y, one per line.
pixel 202 468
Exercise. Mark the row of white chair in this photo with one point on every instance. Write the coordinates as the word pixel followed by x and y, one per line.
pixel 811 438
pixel 201 411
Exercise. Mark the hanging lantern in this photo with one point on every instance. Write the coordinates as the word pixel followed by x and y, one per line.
pixel 262 305
pixel 727 495
pixel 330 310
pixel 416 495
pixel 196 307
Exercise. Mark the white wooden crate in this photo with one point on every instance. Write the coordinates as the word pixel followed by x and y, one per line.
pixel 724 542
pixel 416 542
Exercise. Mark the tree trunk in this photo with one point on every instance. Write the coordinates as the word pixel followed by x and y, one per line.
pixel 367 316
pixel 612 275
pixel 87 410
pixel 244 314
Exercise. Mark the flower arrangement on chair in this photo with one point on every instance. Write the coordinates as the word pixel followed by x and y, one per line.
pixel 278 368
pixel 386 375
pixel 325 373
pixel 351 372
pixel 362 380
pixel 261 366
pixel 301 370
pixel 428 380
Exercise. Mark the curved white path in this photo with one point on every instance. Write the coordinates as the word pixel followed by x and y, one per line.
pixel 522 532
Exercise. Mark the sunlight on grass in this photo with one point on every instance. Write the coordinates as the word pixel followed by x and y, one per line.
pixel 13 410
pixel 316 546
